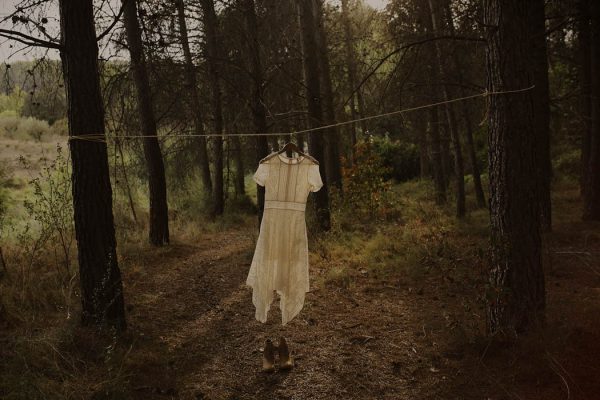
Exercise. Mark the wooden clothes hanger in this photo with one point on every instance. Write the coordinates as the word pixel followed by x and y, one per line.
pixel 291 147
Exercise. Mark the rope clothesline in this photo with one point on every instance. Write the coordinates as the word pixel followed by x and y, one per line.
pixel 103 137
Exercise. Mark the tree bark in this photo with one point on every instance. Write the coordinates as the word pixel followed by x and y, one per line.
pixel 450 115
pixel 100 277
pixel 349 53
pixel 159 211
pixel 424 151
pixel 516 298
pixel 585 78
pixel 257 103
pixel 332 157
pixel 195 105
pixel 436 157
pixel 478 187
pixel 592 194
pixel 238 162
pixel 212 55
pixel 541 112
pixel 308 28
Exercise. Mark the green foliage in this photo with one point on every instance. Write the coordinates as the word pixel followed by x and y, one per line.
pixel 33 128
pixel 400 158
pixel 567 164
pixel 12 102
pixel 52 210
pixel 60 127
pixel 426 238
pixel 365 184
pixel 34 89
pixel 15 127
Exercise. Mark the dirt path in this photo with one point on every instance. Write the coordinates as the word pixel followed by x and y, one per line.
pixel 196 336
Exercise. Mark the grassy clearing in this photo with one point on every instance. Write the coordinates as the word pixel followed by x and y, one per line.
pixel 421 237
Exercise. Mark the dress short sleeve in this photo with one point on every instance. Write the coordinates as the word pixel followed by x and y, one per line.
pixel 261 174
pixel 314 178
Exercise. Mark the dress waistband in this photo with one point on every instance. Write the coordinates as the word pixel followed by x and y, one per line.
pixel 285 205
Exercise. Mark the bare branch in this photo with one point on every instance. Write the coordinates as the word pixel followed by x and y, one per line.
pixel 112 25
pixel 405 47
pixel 27 39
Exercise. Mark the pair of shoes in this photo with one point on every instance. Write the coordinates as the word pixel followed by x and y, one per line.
pixel 285 359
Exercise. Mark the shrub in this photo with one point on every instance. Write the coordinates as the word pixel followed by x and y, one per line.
pixel 568 163
pixel 33 128
pixel 401 159
pixel 15 127
pixel 9 124
pixel 13 102
pixel 60 127
pixel 52 210
pixel 365 184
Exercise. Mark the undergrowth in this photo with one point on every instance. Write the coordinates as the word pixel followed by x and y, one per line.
pixel 413 238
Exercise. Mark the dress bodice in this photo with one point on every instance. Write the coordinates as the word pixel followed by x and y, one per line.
pixel 288 181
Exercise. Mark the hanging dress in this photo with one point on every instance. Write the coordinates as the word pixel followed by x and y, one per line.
pixel 280 261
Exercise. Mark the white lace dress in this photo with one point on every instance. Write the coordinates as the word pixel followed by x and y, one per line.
pixel 280 261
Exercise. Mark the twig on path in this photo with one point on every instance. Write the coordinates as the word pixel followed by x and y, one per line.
pixel 363 339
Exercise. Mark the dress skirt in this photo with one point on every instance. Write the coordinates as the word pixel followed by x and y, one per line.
pixel 280 263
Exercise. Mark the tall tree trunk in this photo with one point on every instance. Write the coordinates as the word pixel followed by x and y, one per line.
pixel 585 78
pixel 257 103
pixel 541 112
pixel 436 157
pixel 445 145
pixel 450 115
pixel 349 53
pixel 423 141
pixel 466 115
pixel 592 194
pixel 516 298
pixel 212 56
pixel 100 278
pixel 195 105
pixel 159 212
pixel 238 161
pixel 332 158
pixel 306 14
pixel 479 195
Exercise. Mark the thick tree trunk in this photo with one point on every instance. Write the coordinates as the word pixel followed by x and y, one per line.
pixel 541 110
pixel 212 56
pixel 585 78
pixel 516 298
pixel 592 194
pixel 159 212
pixel 332 158
pixel 195 105
pixel 101 286
pixel 257 103
pixel 450 115
pixel 306 13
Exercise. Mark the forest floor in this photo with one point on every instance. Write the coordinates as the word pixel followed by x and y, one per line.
pixel 364 333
